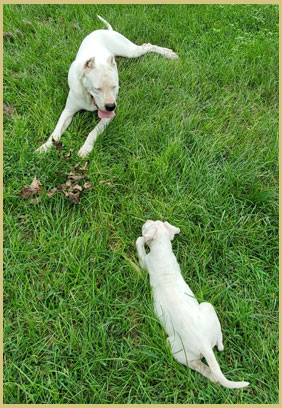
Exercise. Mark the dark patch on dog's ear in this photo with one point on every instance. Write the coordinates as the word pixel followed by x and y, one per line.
pixel 89 65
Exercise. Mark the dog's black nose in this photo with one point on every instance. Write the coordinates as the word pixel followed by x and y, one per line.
pixel 110 106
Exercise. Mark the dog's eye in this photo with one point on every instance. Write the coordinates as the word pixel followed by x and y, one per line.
pixel 97 89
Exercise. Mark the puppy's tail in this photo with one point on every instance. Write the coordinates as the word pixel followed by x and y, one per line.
pixel 217 373
pixel 109 27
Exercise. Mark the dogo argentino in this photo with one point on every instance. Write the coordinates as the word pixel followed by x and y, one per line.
pixel 93 81
pixel 193 329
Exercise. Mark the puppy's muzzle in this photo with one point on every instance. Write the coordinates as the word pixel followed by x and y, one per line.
pixel 110 106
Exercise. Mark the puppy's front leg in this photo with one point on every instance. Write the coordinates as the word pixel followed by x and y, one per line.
pixel 141 251
pixel 91 138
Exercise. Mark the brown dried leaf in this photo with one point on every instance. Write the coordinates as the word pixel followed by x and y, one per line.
pixel 36 183
pixel 16 74
pixel 51 192
pixel 75 177
pixel 8 110
pixel 69 154
pixel 107 183
pixel 87 185
pixel 8 35
pixel 105 174
pixel 74 26
pixel 58 145
pixel 62 187
pixel 74 198
pixel 84 168
pixel 27 191
pixel 19 33
pixel 22 219
pixel 34 188
pixel 35 200
pixel 76 188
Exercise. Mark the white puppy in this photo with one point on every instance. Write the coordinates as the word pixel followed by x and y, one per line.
pixel 193 329
pixel 93 81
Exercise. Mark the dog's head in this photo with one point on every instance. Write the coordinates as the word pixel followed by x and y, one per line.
pixel 154 230
pixel 101 82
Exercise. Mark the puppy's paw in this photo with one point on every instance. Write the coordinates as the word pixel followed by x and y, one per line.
pixel 83 152
pixel 140 242
pixel 43 148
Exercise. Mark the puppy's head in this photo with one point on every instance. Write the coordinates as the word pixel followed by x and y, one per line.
pixel 155 230
pixel 101 82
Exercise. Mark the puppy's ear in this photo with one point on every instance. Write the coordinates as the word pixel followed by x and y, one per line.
pixel 171 229
pixel 150 235
pixel 89 65
pixel 112 61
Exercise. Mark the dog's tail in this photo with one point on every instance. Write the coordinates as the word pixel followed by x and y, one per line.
pixel 109 27
pixel 217 373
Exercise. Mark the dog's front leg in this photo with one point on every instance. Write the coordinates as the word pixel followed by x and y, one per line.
pixel 91 138
pixel 63 122
pixel 141 251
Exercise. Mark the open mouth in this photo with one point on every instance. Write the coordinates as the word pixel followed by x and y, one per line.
pixel 102 114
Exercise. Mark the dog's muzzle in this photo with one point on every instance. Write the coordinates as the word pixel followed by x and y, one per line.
pixel 104 114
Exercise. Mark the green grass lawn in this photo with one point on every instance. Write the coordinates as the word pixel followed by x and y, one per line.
pixel 194 142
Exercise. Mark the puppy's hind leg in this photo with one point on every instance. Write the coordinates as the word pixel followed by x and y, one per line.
pixel 202 368
pixel 180 355
pixel 219 343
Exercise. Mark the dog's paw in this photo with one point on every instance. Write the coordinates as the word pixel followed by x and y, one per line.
pixel 83 152
pixel 140 241
pixel 171 54
pixel 43 148
pixel 213 379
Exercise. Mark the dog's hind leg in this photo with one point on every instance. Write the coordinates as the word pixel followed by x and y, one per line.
pixel 120 46
pixel 145 48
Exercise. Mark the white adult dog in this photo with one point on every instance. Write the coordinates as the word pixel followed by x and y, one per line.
pixel 193 329
pixel 93 81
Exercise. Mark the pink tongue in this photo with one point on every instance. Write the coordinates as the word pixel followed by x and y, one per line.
pixel 103 114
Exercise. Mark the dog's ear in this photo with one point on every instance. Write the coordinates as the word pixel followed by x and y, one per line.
pixel 89 65
pixel 112 61
pixel 171 229
pixel 150 235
